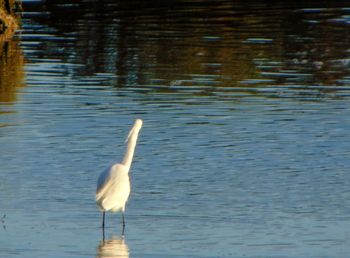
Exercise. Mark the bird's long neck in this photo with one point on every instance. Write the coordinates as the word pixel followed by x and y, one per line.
pixel 130 149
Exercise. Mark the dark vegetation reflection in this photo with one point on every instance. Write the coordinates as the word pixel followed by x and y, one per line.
pixel 204 43
pixel 11 70
pixel 11 60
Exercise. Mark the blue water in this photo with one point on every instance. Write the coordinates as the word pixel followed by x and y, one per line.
pixel 245 146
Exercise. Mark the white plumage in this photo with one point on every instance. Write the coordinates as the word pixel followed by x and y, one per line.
pixel 115 188
pixel 113 185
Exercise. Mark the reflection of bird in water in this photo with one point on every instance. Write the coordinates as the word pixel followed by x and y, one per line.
pixel 114 247
pixel 113 186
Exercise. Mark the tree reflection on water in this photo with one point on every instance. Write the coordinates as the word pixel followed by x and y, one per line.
pixel 239 44
pixel 11 70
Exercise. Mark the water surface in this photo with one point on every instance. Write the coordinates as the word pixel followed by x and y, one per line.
pixel 245 146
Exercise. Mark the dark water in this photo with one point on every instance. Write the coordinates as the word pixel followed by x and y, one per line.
pixel 245 146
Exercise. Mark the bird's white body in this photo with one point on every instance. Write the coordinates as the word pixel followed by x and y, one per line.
pixel 115 188
pixel 113 185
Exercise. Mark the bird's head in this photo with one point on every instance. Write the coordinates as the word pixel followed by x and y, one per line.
pixel 135 129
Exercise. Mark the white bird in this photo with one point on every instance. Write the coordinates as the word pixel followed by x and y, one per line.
pixel 113 185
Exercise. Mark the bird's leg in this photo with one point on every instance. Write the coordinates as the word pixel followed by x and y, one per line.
pixel 123 223
pixel 103 220
pixel 103 226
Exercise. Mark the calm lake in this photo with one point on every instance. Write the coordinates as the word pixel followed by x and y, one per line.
pixel 245 148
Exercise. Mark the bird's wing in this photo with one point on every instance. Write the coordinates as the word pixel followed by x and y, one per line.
pixel 105 180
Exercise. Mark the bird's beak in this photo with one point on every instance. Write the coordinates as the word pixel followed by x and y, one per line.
pixel 130 133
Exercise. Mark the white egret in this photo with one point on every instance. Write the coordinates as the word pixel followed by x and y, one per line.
pixel 113 185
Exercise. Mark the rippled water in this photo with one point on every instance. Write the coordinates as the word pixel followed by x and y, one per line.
pixel 245 146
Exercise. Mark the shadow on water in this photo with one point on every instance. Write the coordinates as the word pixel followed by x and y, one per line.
pixel 112 247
